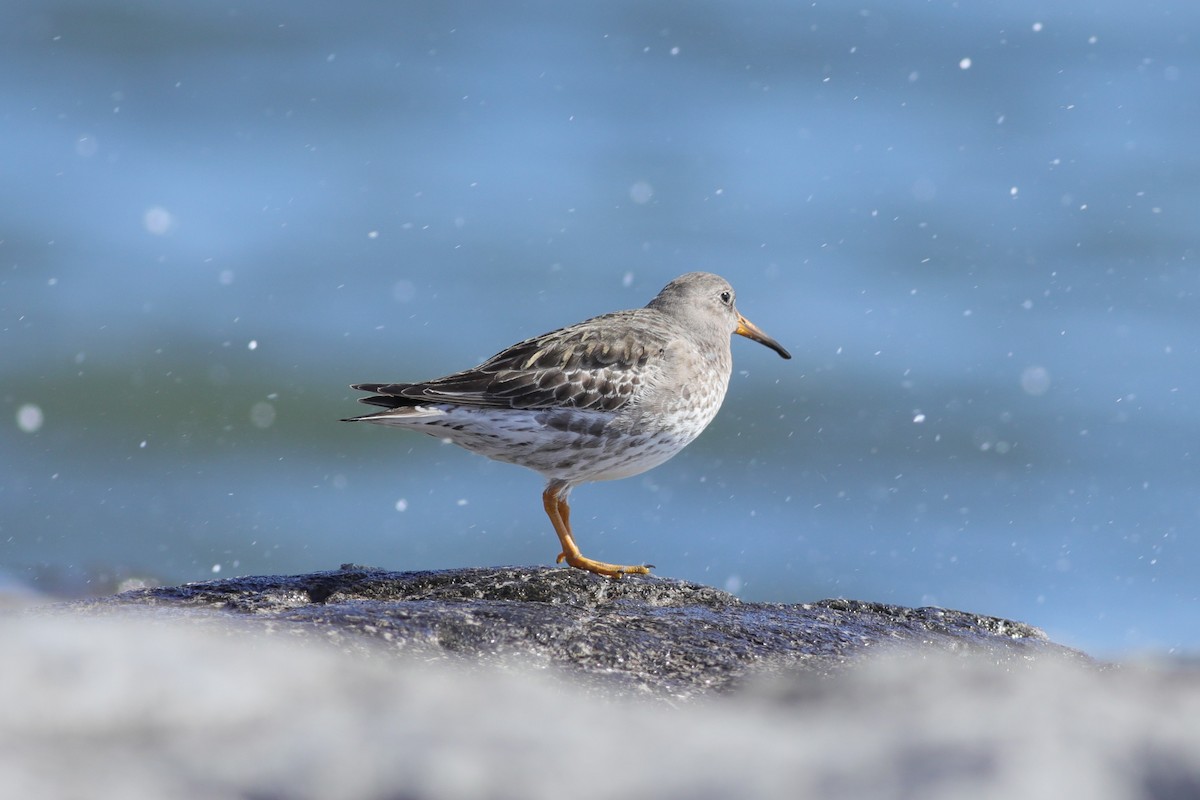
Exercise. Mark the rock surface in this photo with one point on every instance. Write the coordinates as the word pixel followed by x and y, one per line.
pixel 179 693
pixel 635 635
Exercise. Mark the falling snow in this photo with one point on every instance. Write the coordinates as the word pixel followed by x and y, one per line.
pixel 30 418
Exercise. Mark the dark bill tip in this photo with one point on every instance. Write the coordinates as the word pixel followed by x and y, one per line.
pixel 751 331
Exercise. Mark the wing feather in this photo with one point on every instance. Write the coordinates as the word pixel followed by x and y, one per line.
pixel 596 364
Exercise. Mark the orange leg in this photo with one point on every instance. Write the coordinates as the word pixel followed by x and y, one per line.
pixel 560 517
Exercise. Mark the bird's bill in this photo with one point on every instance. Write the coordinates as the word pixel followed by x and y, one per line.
pixel 751 331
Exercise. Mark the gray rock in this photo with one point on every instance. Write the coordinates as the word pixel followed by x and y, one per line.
pixel 146 701
pixel 636 635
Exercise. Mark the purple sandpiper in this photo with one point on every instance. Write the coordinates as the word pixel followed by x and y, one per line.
pixel 605 398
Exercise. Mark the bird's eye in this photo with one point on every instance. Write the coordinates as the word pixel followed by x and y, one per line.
pixel 726 297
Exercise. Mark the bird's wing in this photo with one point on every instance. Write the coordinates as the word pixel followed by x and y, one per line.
pixel 597 364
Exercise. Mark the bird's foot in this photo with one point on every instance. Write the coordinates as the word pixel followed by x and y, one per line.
pixel 602 567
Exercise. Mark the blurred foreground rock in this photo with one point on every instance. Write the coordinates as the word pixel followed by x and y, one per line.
pixel 639 634
pixel 232 690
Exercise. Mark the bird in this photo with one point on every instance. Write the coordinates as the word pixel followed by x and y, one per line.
pixel 606 398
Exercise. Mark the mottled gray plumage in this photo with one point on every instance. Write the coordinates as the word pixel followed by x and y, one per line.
pixel 606 398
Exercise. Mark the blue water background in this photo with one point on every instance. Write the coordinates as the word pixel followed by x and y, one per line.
pixel 973 224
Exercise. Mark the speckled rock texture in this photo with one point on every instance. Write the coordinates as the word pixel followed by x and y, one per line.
pixel 634 635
